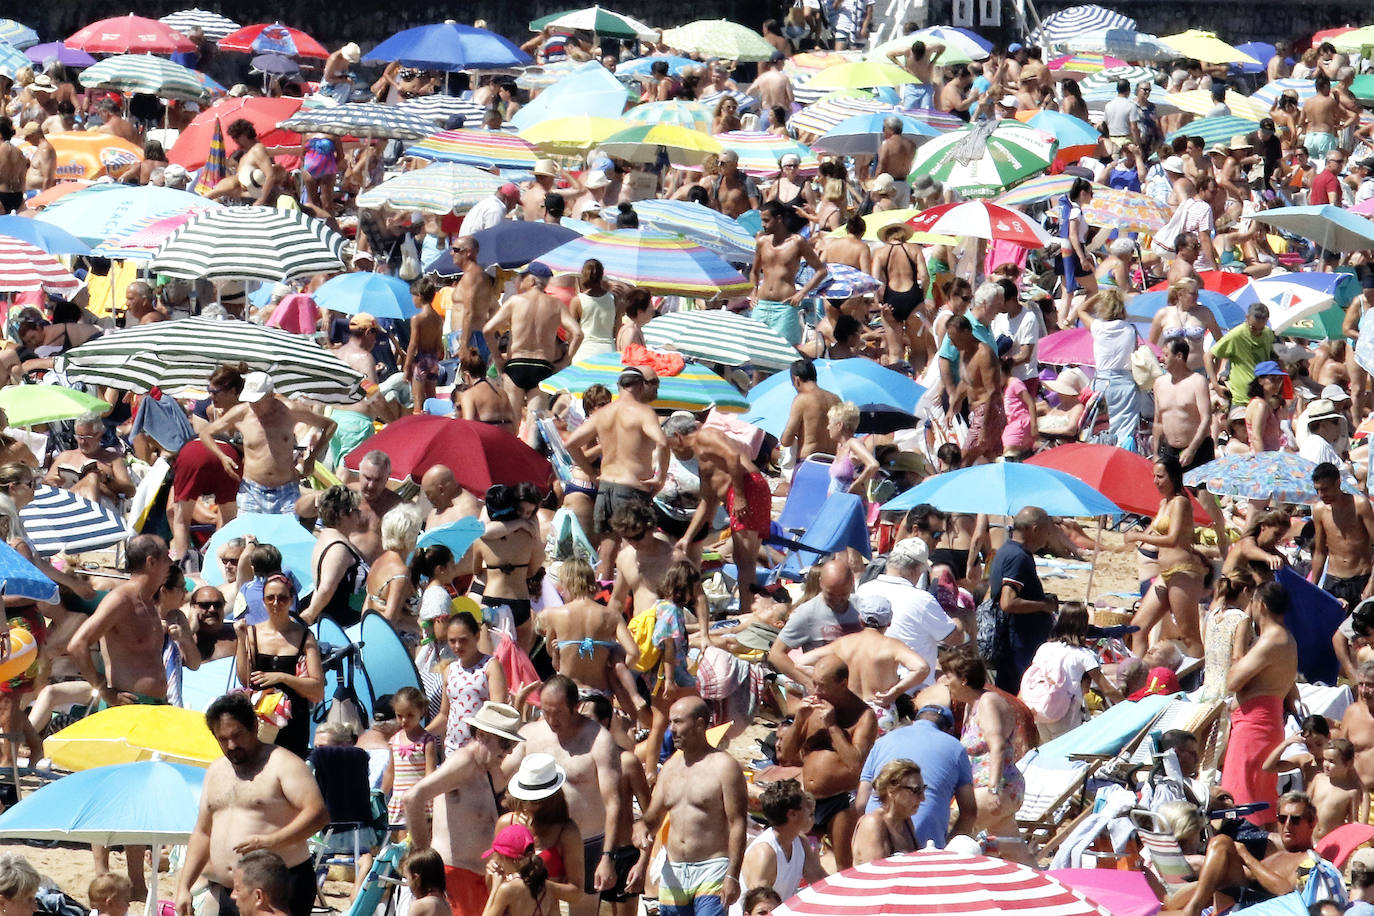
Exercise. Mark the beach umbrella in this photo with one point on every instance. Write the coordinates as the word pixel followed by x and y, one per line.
pixel 1304 304
pixel 31 405
pixel 1354 40
pixel 125 734
pixel 1261 51
pixel 1219 129
pixel 981 160
pixel 178 356
pixel 1200 101
pixel 129 35
pixel 12 60
pixel 576 135
pixel 445 187
pixel 1206 47
pixel 22 579
pixel 58 191
pixel 546 75
pixel 590 89
pixel 1127 211
pixel 641 66
pixel 841 281
pixel 1107 79
pixel 1084 62
pixel 761 152
pixel 1217 281
pixel 92 154
pixel 874 223
pixel 1269 93
pixel 982 220
pixel 713 99
pixel 1330 227
pixel 438 109
pixel 26 268
pixel 1227 313
pixel 1076 137
pixel 456 536
pixel 129 73
pixel 59 521
pixel 861 134
pixel 212 25
pixel 104 211
pixel 821 116
pixel 709 228
pixel 490 456
pixel 482 148
pixel 192 146
pixel 283 532
pixel 1267 475
pixel 41 235
pixel 720 336
pixel 1127 44
pixel 1121 893
pixel 17 35
pixel 594 19
pixel 56 50
pixel 692 115
pixel 274 65
pixel 148 802
pixel 695 388
pixel 642 142
pixel 449 46
pixel 251 243
pixel 1005 488
pixel 1119 474
pixel 719 38
pixel 1074 347
pixel 144 240
pixel 509 244
pixel 861 74
pixel 379 295
pixel 886 399
pixel 662 263
pixel 961 45
pixel 272 38
pixel 370 121
pixel 1069 23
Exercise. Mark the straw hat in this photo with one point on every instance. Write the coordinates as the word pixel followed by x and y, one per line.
pixel 886 233
pixel 1069 383
pixel 497 719
pixel 539 777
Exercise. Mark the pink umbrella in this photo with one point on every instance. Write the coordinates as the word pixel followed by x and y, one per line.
pixel 1121 893
pixel 296 313
pixel 147 236
pixel 1075 347
pixel 1364 207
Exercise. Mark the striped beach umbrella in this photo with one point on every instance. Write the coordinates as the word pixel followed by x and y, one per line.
pixel 841 281
pixel 17 35
pixel 659 262
pixel 1199 102
pixel 821 116
pixel 212 25
pixel 481 148
pixel 1076 20
pixel 694 388
pixel 438 109
pixel 273 38
pixel 146 74
pixel 59 521
pixel 129 35
pixel 863 133
pixel 759 152
pixel 606 23
pixel 719 38
pixel 571 136
pixel 1214 130
pixel 642 142
pixel 1085 62
pixel 12 60
pixel 744 100
pixel 26 268
pixel 370 120
pixel 251 243
pixel 981 219
pixel 179 355
pixel 709 228
pixel 982 159
pixel 214 169
pixel 1108 78
pixel 1041 187
pixel 445 187
pixel 692 115
pixel 720 336
pixel 1269 93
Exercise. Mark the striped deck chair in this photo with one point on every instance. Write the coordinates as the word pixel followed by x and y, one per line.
pixel 1055 791
pixel 1199 718
pixel 1162 852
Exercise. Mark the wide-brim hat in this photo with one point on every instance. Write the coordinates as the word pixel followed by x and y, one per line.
pixel 539 777
pixel 497 719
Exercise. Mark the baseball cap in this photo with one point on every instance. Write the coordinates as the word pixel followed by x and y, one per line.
pixel 1335 393
pixel 512 841
pixel 1266 124
pixel 1014 47
pixel 538 269
pixel 874 610
pixel 1007 101
pixel 256 386
pixel 509 189
pixel 943 716
pixel 362 322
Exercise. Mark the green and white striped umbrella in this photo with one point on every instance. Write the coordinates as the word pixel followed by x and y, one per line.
pixel 719 38
pixel 606 23
pixel 718 336
pixel 178 356
pixel 369 120
pixel 146 74
pixel 1214 130
pixel 677 113
pixel 444 187
pixel 250 243
pixel 983 159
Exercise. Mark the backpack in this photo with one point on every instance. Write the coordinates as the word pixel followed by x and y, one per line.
pixel 1045 690
pixel 994 637
pixel 642 629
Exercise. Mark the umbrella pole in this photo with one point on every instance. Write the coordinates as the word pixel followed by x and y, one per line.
pixel 1092 569
pixel 151 902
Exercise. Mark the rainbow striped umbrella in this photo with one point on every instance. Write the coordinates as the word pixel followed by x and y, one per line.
pixel 213 171
pixel 663 263
pixel 1085 62
pixel 691 115
pixel 709 228
pixel 483 148
pixel 641 143
pixel 26 268
pixel 694 388
pixel 444 187
pixel 1128 211
pixel 759 152
pixel 825 114
pixel 1041 187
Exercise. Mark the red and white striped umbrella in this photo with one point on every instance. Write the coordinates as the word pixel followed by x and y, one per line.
pixel 936 883
pixel 25 268
pixel 981 220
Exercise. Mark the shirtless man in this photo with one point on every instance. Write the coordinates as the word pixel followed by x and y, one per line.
pixel 733 192
pixel 357 350
pixel 254 178
pixel 641 564
pixel 1344 525
pixel 1187 248
pixel 634 454
pixel 112 122
pixel 702 792
pixel 980 384
pixel 1358 723
pixel 591 759
pixel 89 470
pixel 772 87
pixel 465 816
pixel 1183 410
pixel 447 499
pixel 778 255
pixel 1322 119
pixel 833 733
pixel 894 158
pixel 42 171
pixel 532 200
pixel 377 500
pixel 583 635
pixel 270 482
pixel 533 317
pixel 257 796
pixel 730 479
pixel 426 347
pixel 919 60
pixel 472 300
pixel 808 420
pixel 13 165
pixel 881 668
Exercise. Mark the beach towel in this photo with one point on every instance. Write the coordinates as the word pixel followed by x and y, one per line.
pixel 1256 729
pixel 663 362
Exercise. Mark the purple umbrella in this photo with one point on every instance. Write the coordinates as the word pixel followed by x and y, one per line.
pixel 67 57
pixel 275 64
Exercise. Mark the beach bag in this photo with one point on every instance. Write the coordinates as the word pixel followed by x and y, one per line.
pixel 642 630
pixel 1045 691
pixel 515 663
pixel 567 540
pixel 1164 239
pixel 410 260
pixel 1318 881
pixel 993 636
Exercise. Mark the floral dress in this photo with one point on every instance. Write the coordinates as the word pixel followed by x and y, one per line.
pixel 1013 787
pixel 467 690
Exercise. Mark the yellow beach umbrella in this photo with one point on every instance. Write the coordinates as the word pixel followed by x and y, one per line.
pixel 124 734
pixel 862 74
pixel 1354 40
pixel 570 135
pixel 1206 47
pixel 1199 102
pixel 875 222
pixel 641 142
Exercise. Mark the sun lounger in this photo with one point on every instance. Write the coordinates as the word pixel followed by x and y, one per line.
pixel 1162 851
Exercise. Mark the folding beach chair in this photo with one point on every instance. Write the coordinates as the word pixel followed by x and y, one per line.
pixel 810 487
pixel 1162 851
pixel 1053 794
pixel 377 897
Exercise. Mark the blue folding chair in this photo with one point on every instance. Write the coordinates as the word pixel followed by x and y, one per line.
pixel 810 486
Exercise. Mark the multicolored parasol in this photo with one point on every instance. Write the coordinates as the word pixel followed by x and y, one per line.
pixel 694 388
pixel 481 148
pixel 656 261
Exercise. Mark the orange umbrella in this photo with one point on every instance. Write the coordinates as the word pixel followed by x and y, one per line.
pixel 54 194
pixel 92 154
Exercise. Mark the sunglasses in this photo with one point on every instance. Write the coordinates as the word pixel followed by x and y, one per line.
pixel 276 599
pixel 1291 818
pixel 209 605
pixel 914 790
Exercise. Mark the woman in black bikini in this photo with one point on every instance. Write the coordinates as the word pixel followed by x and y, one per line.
pixel 901 269
pixel 791 190
pixel 511 552
pixel 482 399
pixel 280 653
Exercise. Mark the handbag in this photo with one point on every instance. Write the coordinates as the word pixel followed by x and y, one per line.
pixel 994 635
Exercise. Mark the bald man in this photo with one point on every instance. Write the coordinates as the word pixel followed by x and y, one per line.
pixel 818 622
pixel 1015 588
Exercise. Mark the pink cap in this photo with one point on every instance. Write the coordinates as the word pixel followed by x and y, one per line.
pixel 512 841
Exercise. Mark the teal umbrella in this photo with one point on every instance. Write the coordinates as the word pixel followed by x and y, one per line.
pixel 694 388
pixel 1214 130
pixel 1005 488
pixel 1333 228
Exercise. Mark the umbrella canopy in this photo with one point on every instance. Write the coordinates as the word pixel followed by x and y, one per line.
pixel 1005 488
pixel 445 187
pixel 92 154
pixel 642 142
pixel 438 109
pixel 719 336
pixel 1219 129
pixel 667 264
pixel 212 25
pixel 449 45
pixel 12 60
pixel 31 405
pixel 719 38
pixel 982 160
pixel 760 152
pixel 371 121
pixel 22 579
pixel 1206 47
pixel 509 244
pixel 1122 476
pixel 129 35
pixel 821 116
pixel 59 521
pixel 1354 40
pixel 1076 138
pixel 874 223
pixel 1108 78
pixel 379 295
pixel 1227 313
pixel 490 456
pixel 606 23
pixel 41 235
pixel 272 38
pixel 274 65
pixel 1269 93
pixel 1059 27
pixel 1304 304
pixel 1074 347
pixel 1085 62
pixel 1128 211
pixel 886 399
pixel 56 50
pixel 283 532
pixel 709 228
pixel 1039 188
pixel 251 243
pixel 1127 44
pixel 482 148
pixel 861 134
pixel 695 388
pixel 143 242
pixel 178 355
pixel 961 45
pixel 1120 893
pixel 575 135
pixel 192 146
pixel 982 220
pixel 841 281
pixel 144 73
pixel 590 89
pixel 1265 476
pixel 17 35
pixel 1330 227
pixel 25 268
pixel 937 882
pixel 693 115
pixel 1199 102
pixel 861 74
pixel 148 802
pixel 125 734
pixel 641 66
pixel 1218 281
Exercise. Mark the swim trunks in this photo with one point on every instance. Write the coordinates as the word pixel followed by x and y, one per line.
pixel 782 317
pixel 758 517
pixel 528 373
pixel 610 497
pixel 257 497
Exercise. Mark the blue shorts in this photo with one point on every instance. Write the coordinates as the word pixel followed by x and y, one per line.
pixel 918 95
pixel 256 497
pixel 781 317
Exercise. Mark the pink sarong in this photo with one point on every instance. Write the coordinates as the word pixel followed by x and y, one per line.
pixel 1256 729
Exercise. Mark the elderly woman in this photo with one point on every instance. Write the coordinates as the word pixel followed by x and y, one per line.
pixel 1115 270
pixel 988 736
pixel 18 885
pixel 340 570
pixel 389 589
pixel 854 464
pixel 888 830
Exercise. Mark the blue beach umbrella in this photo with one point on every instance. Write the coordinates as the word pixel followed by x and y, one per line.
pixel 456 536
pixel 886 399
pixel 21 579
pixel 449 46
pixel 104 211
pixel 1005 488
pixel 379 295
pixel 641 66
pixel 509 244
pixel 12 60
pixel 41 235
pixel 283 532
pixel 147 802
pixel 861 134
pixel 1227 312
pixel 590 90
pixel 17 34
